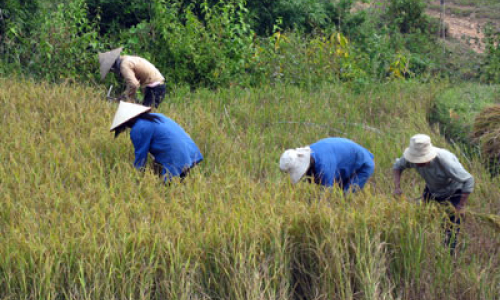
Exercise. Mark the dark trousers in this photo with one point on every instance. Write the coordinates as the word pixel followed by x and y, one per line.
pixel 158 169
pixel 451 233
pixel 154 96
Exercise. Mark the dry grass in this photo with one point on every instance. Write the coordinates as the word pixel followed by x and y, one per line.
pixel 487 131
pixel 77 221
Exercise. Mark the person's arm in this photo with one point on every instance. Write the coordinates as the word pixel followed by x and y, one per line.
pixel 463 201
pixel 397 179
pixel 128 75
pixel 141 138
pixel 360 178
pixel 397 169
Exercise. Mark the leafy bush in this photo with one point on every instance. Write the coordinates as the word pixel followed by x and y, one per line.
pixel 208 43
pixel 294 59
pixel 211 52
pixel 491 64
pixel 302 15
pixel 114 15
pixel 17 19
pixel 63 45
pixel 68 44
pixel 408 15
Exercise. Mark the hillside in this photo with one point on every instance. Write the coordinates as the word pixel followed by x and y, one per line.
pixel 466 20
pixel 79 222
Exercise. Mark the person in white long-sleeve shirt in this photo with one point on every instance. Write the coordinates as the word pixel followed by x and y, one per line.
pixel 446 180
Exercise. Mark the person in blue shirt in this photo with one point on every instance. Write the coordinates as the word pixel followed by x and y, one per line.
pixel 154 133
pixel 330 161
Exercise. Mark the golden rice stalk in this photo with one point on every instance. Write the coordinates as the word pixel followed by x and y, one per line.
pixel 486 131
pixel 491 219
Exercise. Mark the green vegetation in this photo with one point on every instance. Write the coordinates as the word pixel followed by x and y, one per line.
pixel 456 108
pixel 219 44
pixel 491 65
pixel 477 3
pixel 247 80
pixel 79 222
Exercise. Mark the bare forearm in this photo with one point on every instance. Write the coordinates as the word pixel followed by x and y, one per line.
pixel 130 92
pixel 397 178
pixel 463 201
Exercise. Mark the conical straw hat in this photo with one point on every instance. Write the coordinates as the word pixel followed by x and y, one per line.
pixel 127 111
pixel 107 59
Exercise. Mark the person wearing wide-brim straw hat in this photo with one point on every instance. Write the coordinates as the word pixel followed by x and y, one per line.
pixel 154 133
pixel 446 180
pixel 330 161
pixel 137 73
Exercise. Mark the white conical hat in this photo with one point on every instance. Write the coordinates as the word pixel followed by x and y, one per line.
pixel 107 59
pixel 127 111
pixel 296 162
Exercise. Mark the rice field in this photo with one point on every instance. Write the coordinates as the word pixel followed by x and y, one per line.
pixel 77 221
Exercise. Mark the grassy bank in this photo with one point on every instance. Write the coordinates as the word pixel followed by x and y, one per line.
pixel 78 221
pixel 456 108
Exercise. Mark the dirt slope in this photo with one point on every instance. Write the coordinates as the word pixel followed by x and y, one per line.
pixel 465 23
pixel 467 31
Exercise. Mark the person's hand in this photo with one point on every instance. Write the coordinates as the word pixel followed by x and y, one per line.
pixel 460 211
pixel 397 192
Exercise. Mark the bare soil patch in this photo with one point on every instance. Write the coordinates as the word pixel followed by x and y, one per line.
pixel 465 30
pixel 465 23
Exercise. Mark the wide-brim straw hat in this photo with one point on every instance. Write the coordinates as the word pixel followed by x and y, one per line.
pixel 107 59
pixel 127 111
pixel 296 162
pixel 420 150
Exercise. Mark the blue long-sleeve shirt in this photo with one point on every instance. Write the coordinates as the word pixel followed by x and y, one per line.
pixel 169 144
pixel 341 161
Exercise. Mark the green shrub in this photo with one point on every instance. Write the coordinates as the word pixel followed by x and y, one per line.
pixel 114 15
pixel 211 52
pixel 17 19
pixel 491 65
pixel 208 43
pixel 302 15
pixel 63 45
pixel 308 60
pixel 407 15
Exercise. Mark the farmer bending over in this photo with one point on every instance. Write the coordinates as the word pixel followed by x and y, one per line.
pixel 446 180
pixel 330 161
pixel 137 72
pixel 172 148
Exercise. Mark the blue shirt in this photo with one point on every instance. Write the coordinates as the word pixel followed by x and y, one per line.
pixel 339 160
pixel 169 144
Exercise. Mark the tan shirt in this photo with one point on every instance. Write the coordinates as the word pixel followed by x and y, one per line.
pixel 138 72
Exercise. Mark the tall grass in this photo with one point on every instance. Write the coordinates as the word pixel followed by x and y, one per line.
pixel 77 221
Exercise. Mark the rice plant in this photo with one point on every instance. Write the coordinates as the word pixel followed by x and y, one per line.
pixel 77 221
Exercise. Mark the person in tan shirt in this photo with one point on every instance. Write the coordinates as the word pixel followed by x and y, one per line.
pixel 137 73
